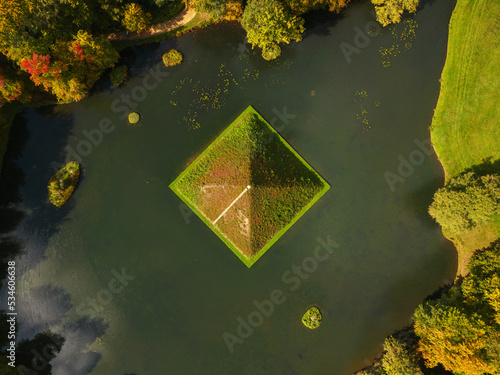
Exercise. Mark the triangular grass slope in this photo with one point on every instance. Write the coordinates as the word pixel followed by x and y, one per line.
pixel 249 186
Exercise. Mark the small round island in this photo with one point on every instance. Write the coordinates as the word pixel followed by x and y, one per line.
pixel 312 318
pixel 133 118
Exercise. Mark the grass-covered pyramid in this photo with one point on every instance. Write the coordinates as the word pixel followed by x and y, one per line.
pixel 249 186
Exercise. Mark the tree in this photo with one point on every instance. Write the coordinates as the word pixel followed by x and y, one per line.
pixel 215 8
pixel 466 202
pixel 303 6
pixel 268 22
pixel 135 19
pixel 453 337
pixel 461 330
pixel 10 89
pixel 397 360
pixel 390 11
pixel 73 67
pixel 481 288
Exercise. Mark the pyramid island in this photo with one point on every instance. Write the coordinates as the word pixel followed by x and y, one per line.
pixel 249 186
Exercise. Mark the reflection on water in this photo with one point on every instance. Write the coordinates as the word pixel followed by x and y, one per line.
pixel 134 288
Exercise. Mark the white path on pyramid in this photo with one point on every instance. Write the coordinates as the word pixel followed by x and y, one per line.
pixel 231 205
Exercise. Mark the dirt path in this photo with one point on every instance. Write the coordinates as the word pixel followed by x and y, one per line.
pixel 231 205
pixel 180 20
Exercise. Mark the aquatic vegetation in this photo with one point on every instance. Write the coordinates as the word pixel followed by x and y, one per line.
pixel 312 318
pixel 133 118
pixel 63 183
pixel 361 98
pixel 172 58
pixel 404 36
pixel 249 186
pixel 209 95
pixel 212 95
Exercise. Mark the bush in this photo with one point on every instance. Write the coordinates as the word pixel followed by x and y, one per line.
pixel 397 360
pixel 215 8
pixel 172 58
pixel 118 75
pixel 312 318
pixel 135 19
pixel 466 202
pixel 134 117
pixel 63 183
pixel 272 52
pixel 234 10
pixel 269 22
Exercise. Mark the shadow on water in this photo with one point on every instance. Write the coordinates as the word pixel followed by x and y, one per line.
pixel 23 182
pixel 214 38
pixel 11 180
pixel 419 200
pixel 320 22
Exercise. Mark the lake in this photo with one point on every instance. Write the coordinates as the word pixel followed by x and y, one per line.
pixel 137 284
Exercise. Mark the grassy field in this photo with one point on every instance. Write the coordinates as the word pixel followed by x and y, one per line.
pixel 465 130
pixel 249 186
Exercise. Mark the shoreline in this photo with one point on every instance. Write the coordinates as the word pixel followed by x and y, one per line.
pixel 463 121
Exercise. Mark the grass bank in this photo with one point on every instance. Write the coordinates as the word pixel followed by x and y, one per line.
pixel 465 129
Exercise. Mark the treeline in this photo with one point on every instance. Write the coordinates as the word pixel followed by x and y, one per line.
pixel 460 331
pixel 58 47
pixel 55 50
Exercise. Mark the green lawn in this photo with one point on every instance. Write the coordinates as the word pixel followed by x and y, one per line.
pixel 465 130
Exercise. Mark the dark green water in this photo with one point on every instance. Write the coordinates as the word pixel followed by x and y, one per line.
pixel 188 289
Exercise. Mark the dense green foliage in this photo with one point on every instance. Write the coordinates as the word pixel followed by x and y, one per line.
pixel 466 202
pixel 215 8
pixel 312 318
pixel 461 330
pixel 60 46
pixel 172 58
pixel 303 6
pixel 397 360
pixel 391 11
pixel 282 186
pixel 63 183
pixel 269 22
pixel 234 10
pixel 135 18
